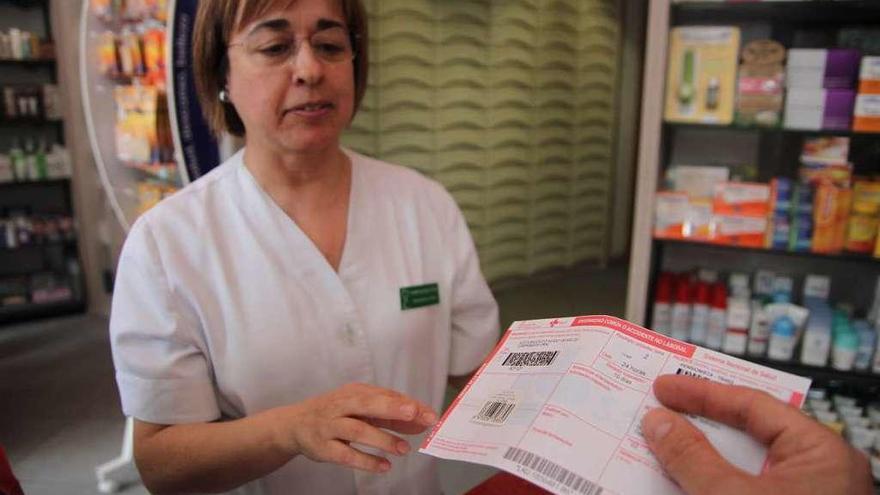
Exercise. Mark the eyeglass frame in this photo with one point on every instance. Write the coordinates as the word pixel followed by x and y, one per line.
pixel 354 39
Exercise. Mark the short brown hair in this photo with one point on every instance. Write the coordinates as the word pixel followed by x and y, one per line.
pixel 215 24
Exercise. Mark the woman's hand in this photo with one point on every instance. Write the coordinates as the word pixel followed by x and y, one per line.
pixel 324 428
pixel 805 457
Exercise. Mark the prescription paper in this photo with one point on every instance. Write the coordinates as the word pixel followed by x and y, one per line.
pixel 559 402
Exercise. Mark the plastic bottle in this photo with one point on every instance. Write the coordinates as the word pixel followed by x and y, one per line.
pixel 867 344
pixel 846 345
pixel 717 317
pixel 739 315
pixel 700 313
pixel 15 43
pixel 876 366
pixel 759 329
pixel 783 333
pixel 41 162
pixel 19 164
pixel 817 337
pixel 661 318
pixel 681 310
pixel 30 154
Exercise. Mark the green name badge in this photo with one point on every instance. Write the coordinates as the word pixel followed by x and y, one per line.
pixel 418 296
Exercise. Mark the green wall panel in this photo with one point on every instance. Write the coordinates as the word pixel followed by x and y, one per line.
pixel 511 104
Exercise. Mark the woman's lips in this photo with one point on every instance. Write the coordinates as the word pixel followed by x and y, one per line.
pixel 311 110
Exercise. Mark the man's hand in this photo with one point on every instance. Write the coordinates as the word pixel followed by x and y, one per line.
pixel 805 457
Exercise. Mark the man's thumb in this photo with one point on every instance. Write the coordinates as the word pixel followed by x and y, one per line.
pixel 685 453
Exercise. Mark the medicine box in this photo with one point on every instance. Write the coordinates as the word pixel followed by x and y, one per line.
pixel 819 109
pixel 836 68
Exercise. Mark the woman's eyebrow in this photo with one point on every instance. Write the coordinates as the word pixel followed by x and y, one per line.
pixel 282 24
pixel 279 24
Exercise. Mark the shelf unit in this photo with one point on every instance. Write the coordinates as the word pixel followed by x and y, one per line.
pixel 775 150
pixel 39 198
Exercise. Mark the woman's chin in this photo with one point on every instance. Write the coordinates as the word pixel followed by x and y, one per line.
pixel 311 143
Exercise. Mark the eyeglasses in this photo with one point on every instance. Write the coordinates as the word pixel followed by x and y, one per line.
pixel 272 49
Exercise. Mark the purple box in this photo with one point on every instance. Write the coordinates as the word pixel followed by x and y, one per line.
pixel 835 68
pixel 819 109
pixel 839 107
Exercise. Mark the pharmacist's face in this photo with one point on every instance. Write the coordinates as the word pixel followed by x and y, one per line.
pixel 291 76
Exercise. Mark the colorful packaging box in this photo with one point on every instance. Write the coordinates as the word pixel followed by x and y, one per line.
pixel 869 76
pixel 742 198
pixel 670 213
pixel 866 116
pixel 701 76
pixel 761 84
pixel 819 109
pixel 861 233
pixel 739 230
pixel 836 68
pixel 698 181
pixel 831 210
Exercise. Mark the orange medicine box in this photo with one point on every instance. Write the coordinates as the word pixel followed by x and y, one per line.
pixel 739 230
pixel 869 76
pixel 867 113
pixel 670 214
pixel 831 208
pixel 742 198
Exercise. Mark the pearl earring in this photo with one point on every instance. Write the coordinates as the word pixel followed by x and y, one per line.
pixel 224 96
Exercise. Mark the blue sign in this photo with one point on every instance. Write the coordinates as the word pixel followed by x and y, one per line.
pixel 200 152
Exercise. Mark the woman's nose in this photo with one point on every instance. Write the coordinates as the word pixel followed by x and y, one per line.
pixel 308 69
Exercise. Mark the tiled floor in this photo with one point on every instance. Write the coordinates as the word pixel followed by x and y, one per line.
pixel 59 409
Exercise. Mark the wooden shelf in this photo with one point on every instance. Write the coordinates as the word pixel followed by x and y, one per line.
pixel 810 12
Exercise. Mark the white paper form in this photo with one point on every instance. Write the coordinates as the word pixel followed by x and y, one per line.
pixel 559 402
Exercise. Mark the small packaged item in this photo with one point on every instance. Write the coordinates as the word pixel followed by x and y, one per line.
pixel 761 84
pixel 823 68
pixel 819 109
pixel 742 198
pixel 739 230
pixel 701 76
pixel 670 214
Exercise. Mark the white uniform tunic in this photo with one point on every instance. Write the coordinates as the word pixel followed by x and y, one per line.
pixel 223 308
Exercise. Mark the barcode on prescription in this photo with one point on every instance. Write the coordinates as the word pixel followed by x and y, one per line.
pixel 495 412
pixel 553 471
pixel 536 358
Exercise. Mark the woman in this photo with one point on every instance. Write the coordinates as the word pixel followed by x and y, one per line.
pixel 250 306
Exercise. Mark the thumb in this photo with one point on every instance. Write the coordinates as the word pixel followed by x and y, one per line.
pixel 686 454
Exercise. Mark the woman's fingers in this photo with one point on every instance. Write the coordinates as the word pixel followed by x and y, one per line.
pixel 356 431
pixel 383 404
pixel 338 452
pixel 405 427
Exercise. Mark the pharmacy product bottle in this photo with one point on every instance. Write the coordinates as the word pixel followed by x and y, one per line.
pixel 19 164
pixel 867 344
pixel 739 316
pixel 661 318
pixel 846 345
pixel 681 310
pixel 759 329
pixel 700 313
pixel 783 334
pixel 816 346
pixel 717 326
pixel 876 366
